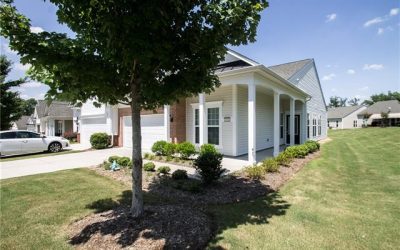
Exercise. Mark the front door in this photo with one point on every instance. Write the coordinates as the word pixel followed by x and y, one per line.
pixel 296 129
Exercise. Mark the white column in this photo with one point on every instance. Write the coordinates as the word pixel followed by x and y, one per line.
pixel 303 119
pixel 234 118
pixel 252 122
pixel 276 123
pixel 202 109
pixel 167 122
pixel 292 102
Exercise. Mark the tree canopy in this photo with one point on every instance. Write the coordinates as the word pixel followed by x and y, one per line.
pixel 141 53
pixel 336 101
pixel 383 97
pixel 354 101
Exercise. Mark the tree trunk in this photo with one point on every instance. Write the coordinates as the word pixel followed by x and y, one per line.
pixel 137 195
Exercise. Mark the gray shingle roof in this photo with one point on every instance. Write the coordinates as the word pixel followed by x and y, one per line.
pixel 383 106
pixel 22 123
pixel 287 70
pixel 341 112
pixel 56 109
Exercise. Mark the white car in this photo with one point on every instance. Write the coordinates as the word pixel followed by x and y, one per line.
pixel 15 142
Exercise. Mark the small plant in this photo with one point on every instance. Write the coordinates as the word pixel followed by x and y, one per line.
pixel 270 165
pixel 255 172
pixel 208 164
pixel 124 161
pixel 169 149
pixel 99 140
pixel 149 167
pixel 146 156
pixel 158 147
pixel 152 157
pixel 208 148
pixel 169 158
pixel 186 149
pixel 179 174
pixel 284 158
pixel 163 170
pixel 113 158
pixel 106 165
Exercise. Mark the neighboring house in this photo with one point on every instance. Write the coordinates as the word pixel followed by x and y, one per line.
pixel 345 117
pixel 26 122
pixel 53 119
pixel 255 108
pixel 373 116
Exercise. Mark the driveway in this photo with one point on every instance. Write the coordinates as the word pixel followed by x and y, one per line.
pixel 46 164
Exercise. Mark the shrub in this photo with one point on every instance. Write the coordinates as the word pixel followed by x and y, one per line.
pixel 163 170
pixel 208 164
pixel 208 148
pixel 299 151
pixel 169 149
pixel 113 158
pixel 149 166
pixel 284 158
pixel 107 165
pixel 313 145
pixel 270 165
pixel 69 135
pixel 158 147
pixel 146 156
pixel 124 161
pixel 186 149
pixel 99 140
pixel 179 174
pixel 255 172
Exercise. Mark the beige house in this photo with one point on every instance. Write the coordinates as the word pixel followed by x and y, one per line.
pixel 345 117
pixel 373 114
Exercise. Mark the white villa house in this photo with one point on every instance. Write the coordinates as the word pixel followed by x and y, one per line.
pixel 345 117
pixel 256 108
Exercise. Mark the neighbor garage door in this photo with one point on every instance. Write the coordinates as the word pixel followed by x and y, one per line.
pixel 152 130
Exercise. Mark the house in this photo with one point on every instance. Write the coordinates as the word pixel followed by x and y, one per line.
pixel 53 119
pixel 255 108
pixel 345 117
pixel 26 122
pixel 373 114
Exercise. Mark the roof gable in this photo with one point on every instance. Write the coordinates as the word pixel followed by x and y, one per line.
pixel 287 70
pixel 56 109
pixel 341 112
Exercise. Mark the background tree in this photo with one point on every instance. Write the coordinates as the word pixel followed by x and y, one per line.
pixel 10 102
pixel 141 53
pixel 385 118
pixel 336 101
pixel 354 101
pixel 28 106
pixel 383 97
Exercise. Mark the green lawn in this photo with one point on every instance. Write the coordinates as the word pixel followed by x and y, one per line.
pixel 349 198
pixel 38 155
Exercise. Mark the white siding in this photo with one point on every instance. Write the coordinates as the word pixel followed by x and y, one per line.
pixel 349 120
pixel 264 121
pixel 90 126
pixel 242 118
pixel 223 94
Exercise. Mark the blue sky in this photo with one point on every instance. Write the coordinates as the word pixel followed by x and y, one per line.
pixel 356 44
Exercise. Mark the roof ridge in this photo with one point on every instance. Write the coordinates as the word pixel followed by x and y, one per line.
pixel 307 59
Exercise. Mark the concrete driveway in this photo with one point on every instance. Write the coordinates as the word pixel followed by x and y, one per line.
pixel 46 164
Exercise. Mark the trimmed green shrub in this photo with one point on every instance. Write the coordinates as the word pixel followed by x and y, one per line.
pixel 113 158
pixel 208 164
pixel 284 158
pixel 163 170
pixel 158 147
pixel 313 146
pixel 299 151
pixel 179 174
pixel 186 149
pixel 270 165
pixel 99 140
pixel 149 167
pixel 169 149
pixel 208 148
pixel 255 172
pixel 124 161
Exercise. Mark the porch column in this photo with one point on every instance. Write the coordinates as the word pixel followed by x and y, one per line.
pixel 292 103
pixel 167 122
pixel 303 120
pixel 202 110
pixel 276 122
pixel 252 122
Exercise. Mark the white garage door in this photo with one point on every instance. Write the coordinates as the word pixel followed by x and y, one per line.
pixel 152 130
pixel 90 126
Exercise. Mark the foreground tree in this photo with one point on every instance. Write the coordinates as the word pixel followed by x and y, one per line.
pixel 383 97
pixel 336 101
pixel 354 102
pixel 10 102
pixel 141 53
pixel 28 106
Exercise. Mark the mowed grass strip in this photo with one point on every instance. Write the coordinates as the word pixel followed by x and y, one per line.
pixel 349 198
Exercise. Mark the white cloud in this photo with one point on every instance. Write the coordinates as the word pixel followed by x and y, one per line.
pixel 330 17
pixel 24 96
pixel 373 66
pixel 365 88
pixel 36 29
pixel 351 71
pixel 32 84
pixel 328 77
pixel 394 12
pixel 22 67
pixel 383 30
pixel 374 21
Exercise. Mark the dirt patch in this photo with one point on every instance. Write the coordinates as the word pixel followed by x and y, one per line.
pixel 161 227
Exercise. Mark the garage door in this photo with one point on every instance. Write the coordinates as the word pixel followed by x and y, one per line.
pixel 91 125
pixel 152 130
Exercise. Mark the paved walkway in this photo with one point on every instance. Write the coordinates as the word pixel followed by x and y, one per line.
pixel 46 164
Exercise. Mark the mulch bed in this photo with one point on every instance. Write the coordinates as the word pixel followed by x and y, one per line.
pixel 180 224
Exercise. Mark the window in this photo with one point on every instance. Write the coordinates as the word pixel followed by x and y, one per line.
pixel 355 123
pixel 23 134
pixel 319 126
pixel 281 125
pixel 213 125
pixel 337 124
pixel 196 126
pixel 314 133
pixel 308 125
pixel 8 135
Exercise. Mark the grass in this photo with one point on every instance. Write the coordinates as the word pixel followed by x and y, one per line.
pixel 349 198
pixel 38 155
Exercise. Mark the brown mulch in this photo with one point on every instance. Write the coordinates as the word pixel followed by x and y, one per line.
pixel 161 227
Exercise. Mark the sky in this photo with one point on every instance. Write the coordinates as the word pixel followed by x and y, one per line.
pixel 355 43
